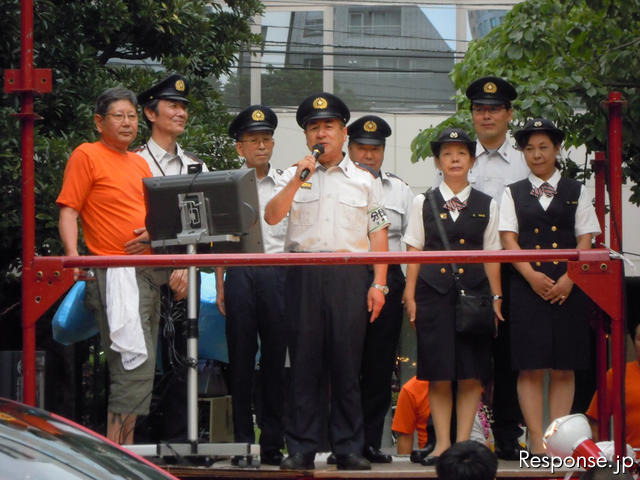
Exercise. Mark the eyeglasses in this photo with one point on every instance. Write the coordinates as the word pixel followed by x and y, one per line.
pixel 487 108
pixel 119 117
pixel 257 141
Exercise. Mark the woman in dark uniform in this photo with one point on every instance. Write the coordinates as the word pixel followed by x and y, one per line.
pixel 549 324
pixel 470 220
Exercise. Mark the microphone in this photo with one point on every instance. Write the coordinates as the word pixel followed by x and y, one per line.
pixel 317 150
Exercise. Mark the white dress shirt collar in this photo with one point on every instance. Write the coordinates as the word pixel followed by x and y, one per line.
pixel 448 194
pixel 553 180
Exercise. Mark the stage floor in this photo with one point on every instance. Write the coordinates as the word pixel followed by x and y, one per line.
pixel 401 467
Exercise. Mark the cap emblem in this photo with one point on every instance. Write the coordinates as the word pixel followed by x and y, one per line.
pixel 453 135
pixel 537 123
pixel 319 103
pixel 257 115
pixel 370 126
pixel 180 85
pixel 490 87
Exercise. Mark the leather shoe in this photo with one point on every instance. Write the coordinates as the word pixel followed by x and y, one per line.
pixel 418 455
pixel 508 451
pixel 298 461
pixel 331 459
pixel 430 461
pixel 352 461
pixel 271 457
pixel 375 455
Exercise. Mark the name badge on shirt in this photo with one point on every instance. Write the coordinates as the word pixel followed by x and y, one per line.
pixel 479 215
pixel 306 185
pixel 443 215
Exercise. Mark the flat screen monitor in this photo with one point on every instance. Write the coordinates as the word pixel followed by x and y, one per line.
pixel 231 205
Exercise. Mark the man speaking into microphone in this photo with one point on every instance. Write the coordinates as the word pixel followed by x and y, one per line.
pixel 337 207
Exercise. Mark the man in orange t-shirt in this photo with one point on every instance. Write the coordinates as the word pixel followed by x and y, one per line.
pixel 412 413
pixel 102 187
pixel 631 396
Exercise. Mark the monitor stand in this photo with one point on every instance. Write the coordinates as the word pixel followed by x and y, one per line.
pixel 195 230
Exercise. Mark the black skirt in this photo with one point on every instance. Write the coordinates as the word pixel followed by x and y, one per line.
pixel 444 354
pixel 548 336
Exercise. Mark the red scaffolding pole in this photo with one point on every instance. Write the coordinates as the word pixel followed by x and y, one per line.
pixel 614 105
pixel 27 82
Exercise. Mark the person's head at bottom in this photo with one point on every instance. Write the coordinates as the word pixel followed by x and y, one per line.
pixel 468 460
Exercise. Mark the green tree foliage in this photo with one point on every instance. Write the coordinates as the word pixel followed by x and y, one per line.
pixel 91 46
pixel 564 58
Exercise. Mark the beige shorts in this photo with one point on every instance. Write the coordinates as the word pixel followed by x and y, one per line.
pixel 130 390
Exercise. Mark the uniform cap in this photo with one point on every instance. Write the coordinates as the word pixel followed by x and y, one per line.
pixel 322 105
pixel 537 125
pixel 453 135
pixel 369 130
pixel 256 118
pixel 174 87
pixel 491 91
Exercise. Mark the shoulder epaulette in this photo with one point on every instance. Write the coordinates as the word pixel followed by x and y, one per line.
pixel 366 168
pixel 192 156
pixel 393 175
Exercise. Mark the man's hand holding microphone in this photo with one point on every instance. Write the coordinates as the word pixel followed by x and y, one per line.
pixel 307 165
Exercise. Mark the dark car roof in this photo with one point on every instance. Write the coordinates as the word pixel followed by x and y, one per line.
pixel 37 444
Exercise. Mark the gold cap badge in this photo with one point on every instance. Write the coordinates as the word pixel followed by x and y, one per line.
pixel 537 124
pixel 490 87
pixel 180 85
pixel 319 103
pixel 453 135
pixel 370 126
pixel 257 115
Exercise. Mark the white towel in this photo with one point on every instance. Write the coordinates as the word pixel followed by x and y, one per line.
pixel 123 315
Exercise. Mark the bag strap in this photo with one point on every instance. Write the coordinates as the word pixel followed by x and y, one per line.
pixel 443 237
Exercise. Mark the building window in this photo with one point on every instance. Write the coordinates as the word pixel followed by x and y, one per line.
pixel 313 24
pixel 313 63
pixel 356 24
pixel 374 22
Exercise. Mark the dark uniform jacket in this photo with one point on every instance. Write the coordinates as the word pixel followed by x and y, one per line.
pixel 466 233
pixel 553 228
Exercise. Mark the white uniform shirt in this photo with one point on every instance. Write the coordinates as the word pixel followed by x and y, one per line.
pixel 492 172
pixel 586 220
pixel 164 163
pixel 415 234
pixel 397 198
pixel 334 210
pixel 272 235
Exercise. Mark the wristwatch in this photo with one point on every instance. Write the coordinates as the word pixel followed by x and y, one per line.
pixel 383 288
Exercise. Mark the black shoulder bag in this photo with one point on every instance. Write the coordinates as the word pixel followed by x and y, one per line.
pixel 474 311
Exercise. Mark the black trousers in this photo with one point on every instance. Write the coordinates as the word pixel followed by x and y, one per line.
pixel 379 358
pixel 506 407
pixel 327 315
pixel 254 301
